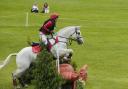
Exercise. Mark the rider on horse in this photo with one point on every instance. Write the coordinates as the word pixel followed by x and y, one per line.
pixel 48 28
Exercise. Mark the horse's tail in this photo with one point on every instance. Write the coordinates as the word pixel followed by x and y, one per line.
pixel 6 61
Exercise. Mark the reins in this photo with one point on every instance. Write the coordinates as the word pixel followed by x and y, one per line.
pixel 70 39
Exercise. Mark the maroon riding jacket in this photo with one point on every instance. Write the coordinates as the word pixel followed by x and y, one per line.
pixel 48 26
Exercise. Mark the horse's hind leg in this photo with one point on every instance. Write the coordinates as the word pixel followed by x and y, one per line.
pixel 16 75
pixel 14 81
pixel 21 81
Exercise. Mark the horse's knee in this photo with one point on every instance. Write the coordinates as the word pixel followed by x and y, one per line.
pixel 67 57
pixel 70 55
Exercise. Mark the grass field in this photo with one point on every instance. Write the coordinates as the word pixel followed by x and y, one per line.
pixel 104 25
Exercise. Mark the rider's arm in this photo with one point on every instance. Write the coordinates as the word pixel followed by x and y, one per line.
pixel 47 25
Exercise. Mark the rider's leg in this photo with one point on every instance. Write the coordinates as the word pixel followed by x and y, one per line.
pixel 43 38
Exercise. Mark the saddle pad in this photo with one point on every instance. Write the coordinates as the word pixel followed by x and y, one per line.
pixel 36 49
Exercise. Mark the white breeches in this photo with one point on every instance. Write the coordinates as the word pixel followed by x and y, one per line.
pixel 43 38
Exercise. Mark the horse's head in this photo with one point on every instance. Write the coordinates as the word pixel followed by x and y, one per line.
pixel 71 33
pixel 77 36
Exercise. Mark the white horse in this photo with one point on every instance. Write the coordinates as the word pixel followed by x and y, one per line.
pixel 25 57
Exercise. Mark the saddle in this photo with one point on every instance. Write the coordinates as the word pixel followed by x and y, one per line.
pixel 36 48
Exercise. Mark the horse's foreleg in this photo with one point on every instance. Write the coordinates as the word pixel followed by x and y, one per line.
pixel 67 54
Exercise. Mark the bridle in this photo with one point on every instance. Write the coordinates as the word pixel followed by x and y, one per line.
pixel 70 39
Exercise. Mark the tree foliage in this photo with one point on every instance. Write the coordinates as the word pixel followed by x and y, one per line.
pixel 45 72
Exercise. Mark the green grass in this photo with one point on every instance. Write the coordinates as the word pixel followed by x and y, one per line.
pixel 103 25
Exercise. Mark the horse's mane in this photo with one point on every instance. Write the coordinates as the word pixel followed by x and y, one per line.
pixel 66 28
